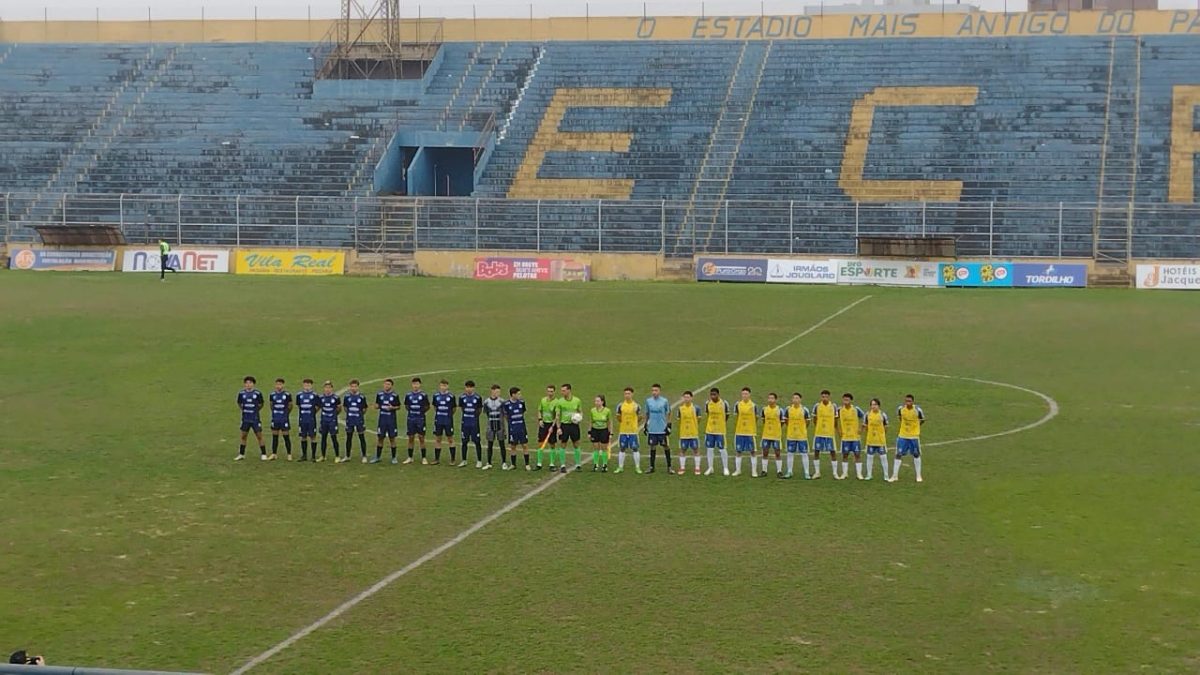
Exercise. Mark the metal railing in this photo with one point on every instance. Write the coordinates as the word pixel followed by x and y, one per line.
pixel 403 224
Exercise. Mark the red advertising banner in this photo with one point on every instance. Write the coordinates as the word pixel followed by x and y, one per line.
pixel 533 269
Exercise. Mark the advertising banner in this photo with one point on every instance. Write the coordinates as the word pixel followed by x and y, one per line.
pixel 533 269
pixel 286 261
pixel 886 272
pixel 64 260
pixel 983 274
pixel 1049 275
pixel 731 269
pixel 785 271
pixel 182 259
pixel 1170 277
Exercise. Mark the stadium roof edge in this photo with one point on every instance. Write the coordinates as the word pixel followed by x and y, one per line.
pixel 633 28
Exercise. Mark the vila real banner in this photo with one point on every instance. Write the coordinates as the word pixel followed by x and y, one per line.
pixel 182 259
pixel 288 261
pixel 1172 277
pixel 886 272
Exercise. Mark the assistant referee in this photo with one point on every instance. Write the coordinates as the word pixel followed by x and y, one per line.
pixel 164 251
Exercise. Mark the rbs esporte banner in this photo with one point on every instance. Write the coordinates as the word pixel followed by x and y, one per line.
pixel 62 260
pixel 886 272
pixel 1167 276
pixel 287 261
pixel 982 274
pixel 182 259
pixel 532 269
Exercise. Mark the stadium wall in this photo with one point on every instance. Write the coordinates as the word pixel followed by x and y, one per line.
pixel 765 27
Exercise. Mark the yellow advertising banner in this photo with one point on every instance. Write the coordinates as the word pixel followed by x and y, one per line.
pixel 290 261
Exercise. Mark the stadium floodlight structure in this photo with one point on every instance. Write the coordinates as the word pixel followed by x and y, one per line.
pixel 367 43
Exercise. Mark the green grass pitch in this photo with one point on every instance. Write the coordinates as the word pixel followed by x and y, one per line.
pixel 129 537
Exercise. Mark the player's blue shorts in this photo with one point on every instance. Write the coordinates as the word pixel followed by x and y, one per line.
pixel 715 441
pixel 443 428
pixel 416 426
pixel 387 428
pixel 281 425
pixel 329 426
pixel 518 436
pixel 743 443
pixel 308 427
pixel 627 441
pixel 656 439
pixel 689 444
pixel 768 444
pixel 822 443
pixel 797 446
pixel 851 447
pixel 248 425
pixel 908 446
pixel 356 424
pixel 876 450
pixel 470 433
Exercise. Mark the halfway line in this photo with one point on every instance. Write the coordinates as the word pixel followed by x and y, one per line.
pixel 492 517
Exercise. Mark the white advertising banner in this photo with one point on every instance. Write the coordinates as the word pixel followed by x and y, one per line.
pixel 1169 276
pixel 886 272
pixel 785 271
pixel 182 259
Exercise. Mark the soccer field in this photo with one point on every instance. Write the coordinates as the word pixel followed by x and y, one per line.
pixel 1038 542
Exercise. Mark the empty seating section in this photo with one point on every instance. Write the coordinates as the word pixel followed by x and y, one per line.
pixel 762 146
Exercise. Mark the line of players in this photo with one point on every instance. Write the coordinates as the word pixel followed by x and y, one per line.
pixel 560 414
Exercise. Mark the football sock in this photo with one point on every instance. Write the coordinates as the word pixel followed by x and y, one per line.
pixel 804 462
pixel 710 457
pixel 379 451
pixel 917 466
pixel 637 459
pixel 845 468
pixel 870 465
pixel 858 469
pixel 303 446
pixel 737 463
pixel 424 453
pixel 333 437
pixel 362 443
pixel 653 455
pixel 765 461
pixel 725 460
pixel 667 456
pixel 242 449
pixel 393 452
pixel 791 461
pixel 349 443
pixel 437 454
pixel 683 462
pixel 621 459
pixel 883 463
pixel 578 456
pixel 274 444
pixel 526 458
pixel 287 444
pixel 778 465
pixel 538 453
pixel 896 468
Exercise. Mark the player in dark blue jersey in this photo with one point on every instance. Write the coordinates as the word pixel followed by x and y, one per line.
pixel 330 406
pixel 386 402
pixel 443 403
pixel 416 403
pixel 518 433
pixel 307 405
pixel 250 402
pixel 355 405
pixel 471 405
pixel 281 419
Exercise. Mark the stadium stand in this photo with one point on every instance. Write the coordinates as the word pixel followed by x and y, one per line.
pixel 937 136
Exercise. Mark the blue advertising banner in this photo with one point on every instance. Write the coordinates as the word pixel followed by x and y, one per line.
pixel 731 269
pixel 985 274
pixel 1049 275
pixel 63 260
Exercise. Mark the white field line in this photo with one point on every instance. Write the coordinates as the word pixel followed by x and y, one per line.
pixel 492 517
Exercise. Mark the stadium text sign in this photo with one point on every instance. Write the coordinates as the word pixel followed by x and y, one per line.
pixel 1049 275
pixel 731 269
pixel 887 272
pixel 1172 277
pixel 183 259
pixel 534 269
pixel 62 260
pixel 985 274
pixel 784 271
pixel 285 261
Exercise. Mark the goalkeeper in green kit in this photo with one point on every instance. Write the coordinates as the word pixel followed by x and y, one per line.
pixel 569 415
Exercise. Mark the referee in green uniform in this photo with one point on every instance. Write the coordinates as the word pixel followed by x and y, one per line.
pixel 164 253
pixel 568 427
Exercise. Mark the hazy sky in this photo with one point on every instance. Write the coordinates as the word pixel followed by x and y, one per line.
pixel 13 10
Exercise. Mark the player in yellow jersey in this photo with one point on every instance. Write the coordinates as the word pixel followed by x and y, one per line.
pixel 772 434
pixel 628 414
pixel 745 429
pixel 908 441
pixel 851 419
pixel 716 416
pixel 796 416
pixel 876 438
pixel 824 414
pixel 688 416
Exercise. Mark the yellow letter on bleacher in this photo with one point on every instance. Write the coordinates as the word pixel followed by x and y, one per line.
pixel 527 185
pixel 1185 143
pixel 858 138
